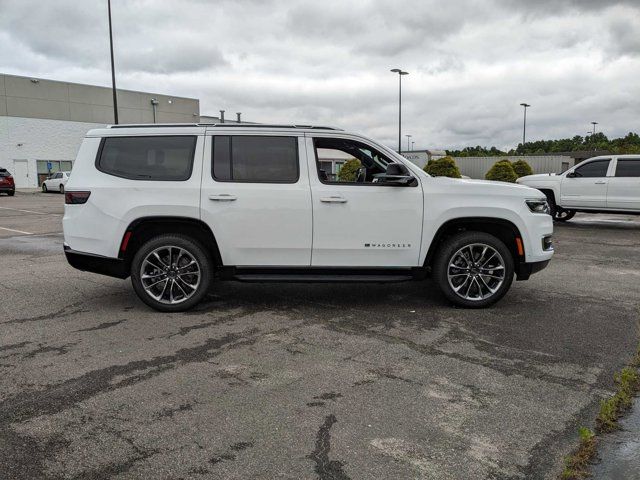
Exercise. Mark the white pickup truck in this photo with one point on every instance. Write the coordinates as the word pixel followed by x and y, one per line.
pixel 606 184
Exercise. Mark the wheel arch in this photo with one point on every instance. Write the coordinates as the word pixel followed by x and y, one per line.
pixel 550 193
pixel 142 229
pixel 503 229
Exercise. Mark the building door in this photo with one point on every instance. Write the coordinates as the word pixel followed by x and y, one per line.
pixel 21 173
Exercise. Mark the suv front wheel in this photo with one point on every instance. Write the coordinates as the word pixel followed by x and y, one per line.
pixel 473 269
pixel 171 273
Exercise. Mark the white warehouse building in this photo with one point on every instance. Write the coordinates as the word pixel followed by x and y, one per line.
pixel 42 122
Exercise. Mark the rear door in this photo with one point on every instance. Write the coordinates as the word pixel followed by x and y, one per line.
pixel 623 192
pixel 588 189
pixel 256 198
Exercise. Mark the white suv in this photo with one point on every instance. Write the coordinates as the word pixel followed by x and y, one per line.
pixel 606 184
pixel 177 206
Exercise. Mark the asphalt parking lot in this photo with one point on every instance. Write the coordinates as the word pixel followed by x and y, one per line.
pixel 305 381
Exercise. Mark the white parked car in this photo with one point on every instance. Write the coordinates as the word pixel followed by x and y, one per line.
pixel 56 182
pixel 178 206
pixel 605 184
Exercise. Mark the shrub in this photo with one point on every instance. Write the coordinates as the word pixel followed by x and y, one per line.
pixel 502 171
pixel 522 168
pixel 443 167
pixel 349 171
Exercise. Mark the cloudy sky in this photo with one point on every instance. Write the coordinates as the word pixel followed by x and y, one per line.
pixel 471 62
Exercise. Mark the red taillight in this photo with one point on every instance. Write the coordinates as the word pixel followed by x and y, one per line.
pixel 76 198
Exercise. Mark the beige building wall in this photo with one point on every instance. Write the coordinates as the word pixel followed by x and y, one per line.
pixel 50 99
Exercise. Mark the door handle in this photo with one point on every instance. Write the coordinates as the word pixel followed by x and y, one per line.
pixel 223 197
pixel 333 199
pixel 600 183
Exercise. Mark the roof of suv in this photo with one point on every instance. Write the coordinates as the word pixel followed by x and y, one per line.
pixel 223 125
pixel 191 128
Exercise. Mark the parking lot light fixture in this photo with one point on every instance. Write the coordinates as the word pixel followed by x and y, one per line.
pixel 400 73
pixel 594 127
pixel 524 126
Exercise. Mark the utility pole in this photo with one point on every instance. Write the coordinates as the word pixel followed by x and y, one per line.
pixel 524 126
pixel 408 141
pixel 594 127
pixel 400 74
pixel 113 70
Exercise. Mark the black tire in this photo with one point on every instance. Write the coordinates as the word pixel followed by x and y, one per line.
pixel 61 188
pixel 44 188
pixel 446 255
pixel 12 193
pixel 562 215
pixel 558 214
pixel 194 249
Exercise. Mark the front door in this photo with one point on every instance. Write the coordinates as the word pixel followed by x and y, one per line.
pixel 588 188
pixel 358 222
pixel 21 173
pixel 624 186
pixel 256 199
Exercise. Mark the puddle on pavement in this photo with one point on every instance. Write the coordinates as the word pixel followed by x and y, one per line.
pixel 620 451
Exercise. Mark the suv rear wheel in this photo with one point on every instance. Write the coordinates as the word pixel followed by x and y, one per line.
pixel 171 273
pixel 473 269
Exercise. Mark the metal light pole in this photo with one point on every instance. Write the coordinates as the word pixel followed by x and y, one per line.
pixel 400 74
pixel 412 142
pixel 113 70
pixel 408 140
pixel 594 127
pixel 524 125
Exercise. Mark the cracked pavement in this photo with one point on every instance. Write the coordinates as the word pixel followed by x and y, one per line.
pixel 318 381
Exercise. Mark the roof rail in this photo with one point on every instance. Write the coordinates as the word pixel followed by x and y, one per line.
pixel 263 125
pixel 152 125
pixel 223 125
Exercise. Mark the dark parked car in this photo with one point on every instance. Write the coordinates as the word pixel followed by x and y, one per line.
pixel 7 184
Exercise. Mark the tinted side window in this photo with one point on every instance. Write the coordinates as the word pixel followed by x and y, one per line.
pixel 244 158
pixel 597 168
pixel 628 167
pixel 165 158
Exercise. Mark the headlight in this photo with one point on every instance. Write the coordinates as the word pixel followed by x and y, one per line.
pixel 538 206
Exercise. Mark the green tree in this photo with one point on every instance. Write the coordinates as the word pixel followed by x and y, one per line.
pixel 502 171
pixel 522 168
pixel 349 170
pixel 443 167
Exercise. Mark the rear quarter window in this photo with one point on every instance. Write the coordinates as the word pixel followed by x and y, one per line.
pixel 162 158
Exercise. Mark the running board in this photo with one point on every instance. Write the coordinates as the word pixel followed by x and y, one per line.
pixel 319 278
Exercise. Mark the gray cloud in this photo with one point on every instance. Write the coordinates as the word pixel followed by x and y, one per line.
pixel 471 63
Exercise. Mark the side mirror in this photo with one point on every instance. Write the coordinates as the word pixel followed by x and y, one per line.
pixel 572 175
pixel 398 174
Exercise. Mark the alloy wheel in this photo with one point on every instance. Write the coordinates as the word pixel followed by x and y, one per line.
pixel 476 271
pixel 170 274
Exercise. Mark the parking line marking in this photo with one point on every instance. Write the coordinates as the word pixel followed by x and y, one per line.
pixel 28 211
pixel 18 231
